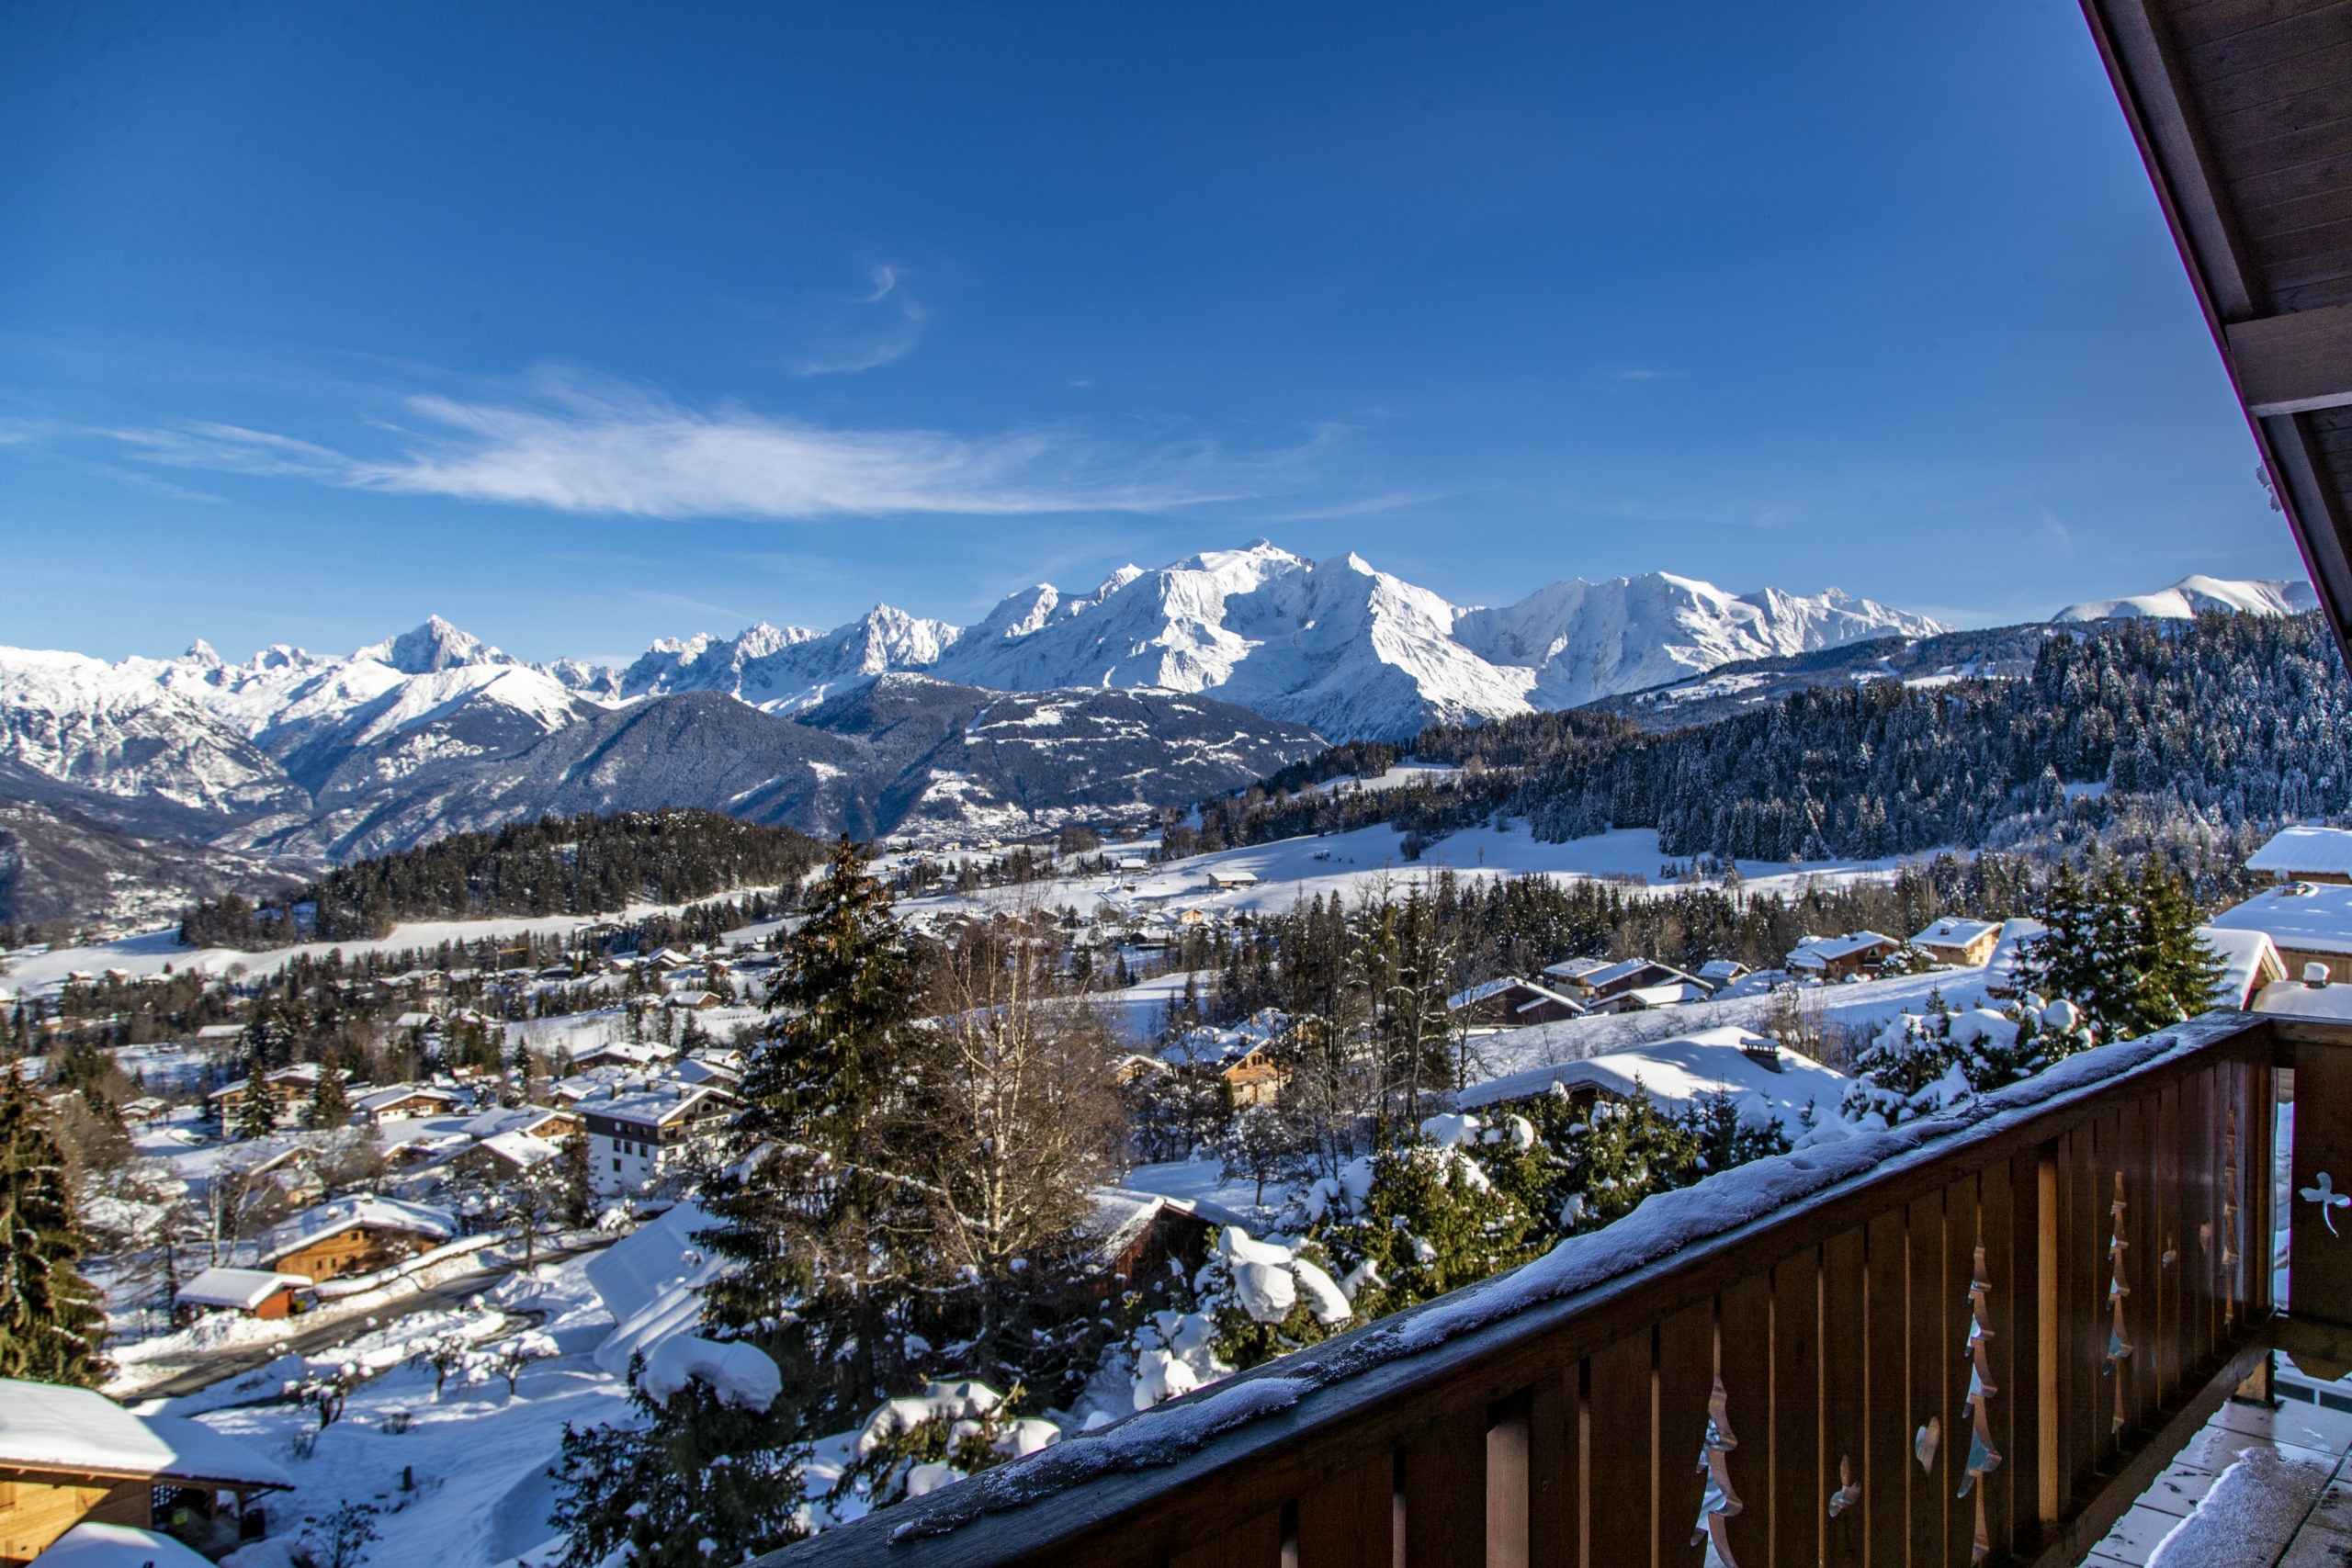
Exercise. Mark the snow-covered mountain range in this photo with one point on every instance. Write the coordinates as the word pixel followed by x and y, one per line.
pixel 1351 652
pixel 2194 596
pixel 1154 689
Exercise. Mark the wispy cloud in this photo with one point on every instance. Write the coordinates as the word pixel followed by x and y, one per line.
pixel 1647 375
pixel 867 346
pixel 578 444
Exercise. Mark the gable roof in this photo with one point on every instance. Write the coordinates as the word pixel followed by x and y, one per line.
pixel 1815 951
pixel 242 1288
pixel 1675 1073
pixel 1954 932
pixel 2314 916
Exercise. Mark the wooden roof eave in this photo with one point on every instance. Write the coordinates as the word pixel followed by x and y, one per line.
pixel 2285 365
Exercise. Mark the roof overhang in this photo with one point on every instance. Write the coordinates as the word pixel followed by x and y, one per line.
pixel 2243 111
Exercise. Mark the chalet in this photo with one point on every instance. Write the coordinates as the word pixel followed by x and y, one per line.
pixel 293 1085
pixel 1510 1003
pixel 1229 878
pixel 1136 1236
pixel 2309 923
pixel 622 1053
pixel 1854 955
pixel 552 1124
pixel 2250 961
pixel 1717 973
pixel 1642 998
pixel 1241 1061
pixel 633 1138
pixel 68 1455
pixel 146 1110
pixel 691 1002
pixel 1595 986
pixel 1963 944
pixel 1570 971
pixel 354 1236
pixel 403 1102
pixel 256 1292
pixel 2306 854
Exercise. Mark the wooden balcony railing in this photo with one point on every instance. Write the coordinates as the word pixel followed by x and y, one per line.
pixel 1975 1338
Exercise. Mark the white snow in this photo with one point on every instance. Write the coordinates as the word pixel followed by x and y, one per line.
pixel 1675 1073
pixel 2197 593
pixel 2305 850
pixel 118 1546
pixel 738 1373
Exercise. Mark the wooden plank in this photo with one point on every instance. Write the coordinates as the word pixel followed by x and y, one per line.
pixel 2048 1340
pixel 2261 1220
pixel 2106 1139
pixel 2288 72
pixel 1553 1484
pixel 1800 1355
pixel 2320 1234
pixel 1887 1475
pixel 2004 1190
pixel 1620 1464
pixel 1845 1408
pixel 2276 40
pixel 1752 1393
pixel 1256 1542
pixel 1510 1481
pixel 2212 21
pixel 2082 1249
pixel 1445 1491
pixel 1927 1421
pixel 2138 1262
pixel 2259 196
pixel 2200 1159
pixel 1686 1380
pixel 2166 1163
pixel 1962 1232
pixel 1349 1522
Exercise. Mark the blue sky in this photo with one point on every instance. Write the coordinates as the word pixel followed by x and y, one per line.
pixel 583 326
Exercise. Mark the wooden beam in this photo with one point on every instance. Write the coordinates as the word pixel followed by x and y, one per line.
pixel 2294 363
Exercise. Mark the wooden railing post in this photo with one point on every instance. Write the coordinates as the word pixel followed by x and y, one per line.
pixel 2318 1328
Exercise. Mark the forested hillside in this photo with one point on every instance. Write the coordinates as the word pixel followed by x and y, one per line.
pixel 559 865
pixel 2127 732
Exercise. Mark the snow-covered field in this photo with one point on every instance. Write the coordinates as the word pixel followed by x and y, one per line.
pixel 464 1484
pixel 1372 860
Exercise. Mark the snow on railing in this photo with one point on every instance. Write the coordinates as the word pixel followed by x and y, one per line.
pixel 1854 1301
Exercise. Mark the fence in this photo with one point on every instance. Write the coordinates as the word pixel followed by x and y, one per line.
pixel 1970 1340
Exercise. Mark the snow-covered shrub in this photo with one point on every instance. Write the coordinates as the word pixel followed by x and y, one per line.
pixel 1924 1063
pixel 1266 1298
pixel 707 1472
pixel 914 1445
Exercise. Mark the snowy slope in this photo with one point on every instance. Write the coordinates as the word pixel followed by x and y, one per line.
pixel 2194 596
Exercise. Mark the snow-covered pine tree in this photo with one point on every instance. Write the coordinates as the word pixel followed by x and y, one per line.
pixel 2124 953
pixel 51 1326
pixel 687 1482
pixel 813 1211
pixel 257 1111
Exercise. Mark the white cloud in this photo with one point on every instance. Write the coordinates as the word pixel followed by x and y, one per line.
pixel 593 446
pixel 865 347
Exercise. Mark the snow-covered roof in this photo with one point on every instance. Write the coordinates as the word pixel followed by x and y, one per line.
pixel 2292 998
pixel 49 1427
pixel 1954 932
pixel 520 1149
pixel 2314 916
pixel 90 1545
pixel 1573 968
pixel 652 1107
pixel 1610 974
pixel 1675 1073
pixel 1815 951
pixel 1718 970
pixel 2249 960
pixel 1668 995
pixel 364 1209
pixel 384 1097
pixel 1474 995
pixel 2294 851
pixel 244 1288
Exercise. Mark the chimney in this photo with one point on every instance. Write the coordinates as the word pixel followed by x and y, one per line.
pixel 2315 976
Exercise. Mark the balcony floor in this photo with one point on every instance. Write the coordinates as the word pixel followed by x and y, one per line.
pixel 2306 1523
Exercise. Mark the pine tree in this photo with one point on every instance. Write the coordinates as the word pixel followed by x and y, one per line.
pixel 51 1326
pixel 812 1208
pixel 257 1111
pixel 2125 953
pixel 579 1200
pixel 330 1107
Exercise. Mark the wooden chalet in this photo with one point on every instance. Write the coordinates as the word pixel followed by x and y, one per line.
pixel 1963 943
pixel 354 1236
pixel 1510 1003
pixel 254 1293
pixel 69 1455
pixel 1855 955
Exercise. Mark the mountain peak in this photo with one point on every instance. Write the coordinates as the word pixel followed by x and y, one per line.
pixel 436 646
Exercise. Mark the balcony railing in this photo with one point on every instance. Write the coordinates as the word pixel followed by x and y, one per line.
pixel 1971 1338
